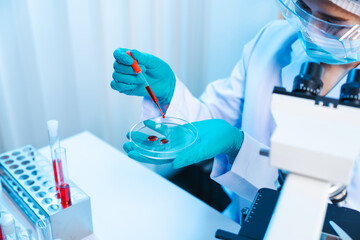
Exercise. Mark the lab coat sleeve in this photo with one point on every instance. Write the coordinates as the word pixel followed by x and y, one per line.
pixel 249 172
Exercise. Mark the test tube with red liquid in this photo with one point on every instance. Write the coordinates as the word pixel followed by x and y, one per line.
pixel 137 70
pixel 64 183
pixel 54 142
pixel 2 234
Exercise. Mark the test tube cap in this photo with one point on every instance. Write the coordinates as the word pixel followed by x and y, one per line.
pixel 53 126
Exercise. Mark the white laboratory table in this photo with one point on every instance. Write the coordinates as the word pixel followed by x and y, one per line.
pixel 129 201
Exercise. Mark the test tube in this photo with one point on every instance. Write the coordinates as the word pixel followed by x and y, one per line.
pixel 54 142
pixel 7 223
pixel 65 196
pixel 43 229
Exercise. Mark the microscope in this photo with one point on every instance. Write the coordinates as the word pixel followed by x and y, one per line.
pixel 314 146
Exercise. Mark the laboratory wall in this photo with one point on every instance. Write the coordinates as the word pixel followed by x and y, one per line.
pixel 56 58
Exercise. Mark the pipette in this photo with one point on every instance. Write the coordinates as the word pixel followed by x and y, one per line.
pixel 137 70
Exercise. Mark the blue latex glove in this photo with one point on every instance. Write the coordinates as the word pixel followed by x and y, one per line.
pixel 215 137
pixel 157 72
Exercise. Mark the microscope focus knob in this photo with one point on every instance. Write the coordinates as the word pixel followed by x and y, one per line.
pixel 350 91
pixel 309 79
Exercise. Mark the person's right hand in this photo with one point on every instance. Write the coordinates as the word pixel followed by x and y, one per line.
pixel 157 72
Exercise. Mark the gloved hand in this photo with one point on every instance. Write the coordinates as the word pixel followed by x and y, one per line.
pixel 157 72
pixel 215 137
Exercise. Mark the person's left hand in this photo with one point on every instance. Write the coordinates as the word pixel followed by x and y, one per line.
pixel 215 137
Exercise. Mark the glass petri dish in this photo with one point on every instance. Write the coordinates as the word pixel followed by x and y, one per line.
pixel 162 139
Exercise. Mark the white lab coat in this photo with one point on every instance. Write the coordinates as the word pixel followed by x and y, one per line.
pixel 272 58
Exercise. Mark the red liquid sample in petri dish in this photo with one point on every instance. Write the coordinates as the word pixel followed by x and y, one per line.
pixel 152 138
pixel 164 141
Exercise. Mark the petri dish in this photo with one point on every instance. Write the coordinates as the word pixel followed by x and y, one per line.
pixel 162 139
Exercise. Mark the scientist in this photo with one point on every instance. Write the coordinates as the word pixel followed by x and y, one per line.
pixel 233 115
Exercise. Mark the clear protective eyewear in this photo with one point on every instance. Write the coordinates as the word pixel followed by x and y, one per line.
pixel 322 39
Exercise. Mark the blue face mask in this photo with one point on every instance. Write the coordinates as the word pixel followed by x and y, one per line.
pixel 326 52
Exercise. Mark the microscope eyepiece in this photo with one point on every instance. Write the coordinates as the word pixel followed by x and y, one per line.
pixel 309 79
pixel 350 91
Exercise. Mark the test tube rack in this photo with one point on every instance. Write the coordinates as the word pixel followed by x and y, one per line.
pixel 27 177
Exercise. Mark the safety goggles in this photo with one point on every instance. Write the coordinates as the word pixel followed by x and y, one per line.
pixel 341 41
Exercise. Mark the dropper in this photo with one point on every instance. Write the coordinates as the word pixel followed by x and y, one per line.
pixel 137 70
